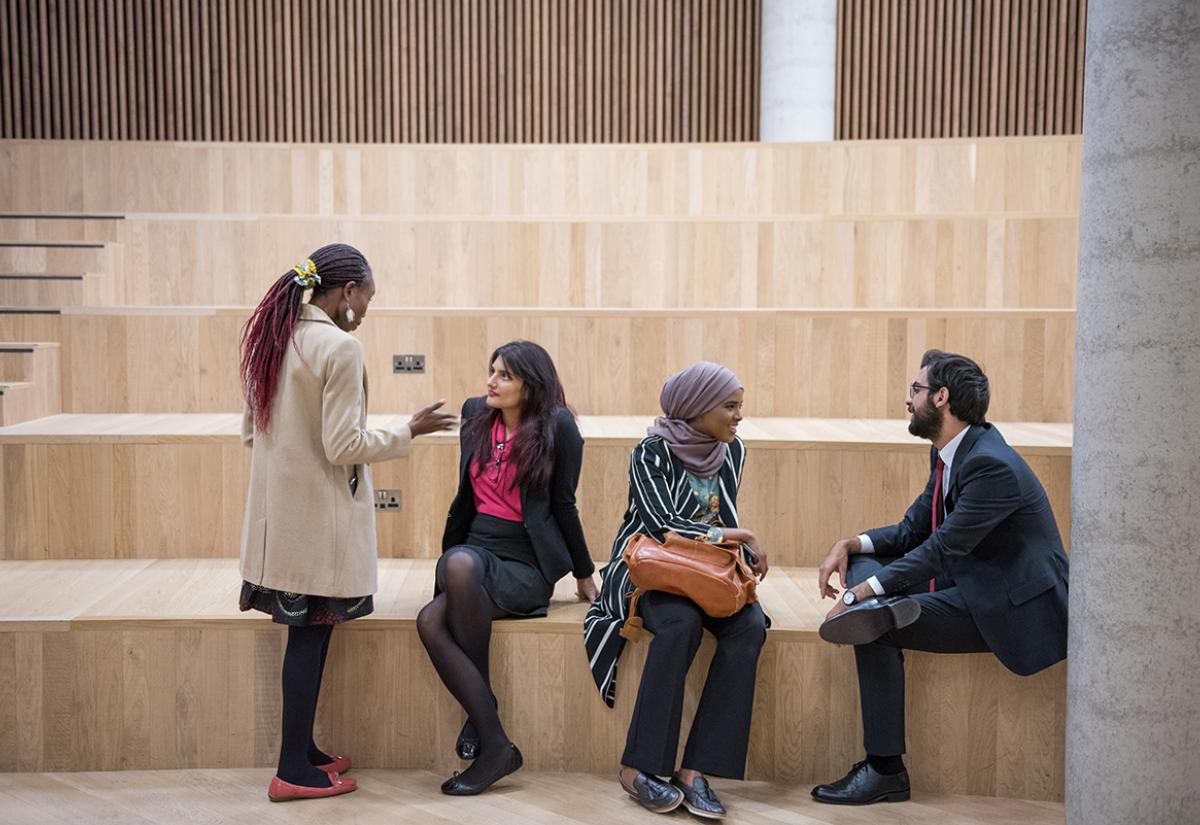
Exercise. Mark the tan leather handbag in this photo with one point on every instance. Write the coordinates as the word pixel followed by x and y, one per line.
pixel 715 576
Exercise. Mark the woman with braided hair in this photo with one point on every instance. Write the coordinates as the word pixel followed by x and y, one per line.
pixel 308 541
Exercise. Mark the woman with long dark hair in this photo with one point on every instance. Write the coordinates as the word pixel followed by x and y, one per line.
pixel 513 531
pixel 308 541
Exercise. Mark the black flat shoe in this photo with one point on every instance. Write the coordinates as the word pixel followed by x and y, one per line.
pixel 699 798
pixel 863 623
pixel 467 747
pixel 652 793
pixel 864 785
pixel 478 778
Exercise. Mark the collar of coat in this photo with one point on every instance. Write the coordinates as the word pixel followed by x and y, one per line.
pixel 311 312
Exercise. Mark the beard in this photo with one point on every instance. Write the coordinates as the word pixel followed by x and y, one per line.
pixel 926 421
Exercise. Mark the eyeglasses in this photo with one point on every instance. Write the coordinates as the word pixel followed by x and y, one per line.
pixel 915 388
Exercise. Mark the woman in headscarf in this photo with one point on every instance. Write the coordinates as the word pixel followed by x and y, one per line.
pixel 683 478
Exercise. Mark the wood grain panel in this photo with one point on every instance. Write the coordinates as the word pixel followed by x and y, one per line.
pixel 1001 176
pixel 826 364
pixel 161 671
pixel 413 71
pixel 179 492
pixel 959 68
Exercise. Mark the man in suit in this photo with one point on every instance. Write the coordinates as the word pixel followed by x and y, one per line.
pixel 976 565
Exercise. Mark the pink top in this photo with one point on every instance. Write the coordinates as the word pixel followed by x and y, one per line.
pixel 495 488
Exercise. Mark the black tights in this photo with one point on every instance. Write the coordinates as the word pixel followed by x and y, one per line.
pixel 303 666
pixel 456 629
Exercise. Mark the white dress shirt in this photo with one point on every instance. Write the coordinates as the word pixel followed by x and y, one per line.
pixel 947 456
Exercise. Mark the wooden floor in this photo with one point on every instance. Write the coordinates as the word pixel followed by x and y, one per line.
pixel 395 797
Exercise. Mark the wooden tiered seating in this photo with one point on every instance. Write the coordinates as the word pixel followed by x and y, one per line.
pixel 818 272
pixel 173 485
pixel 139 664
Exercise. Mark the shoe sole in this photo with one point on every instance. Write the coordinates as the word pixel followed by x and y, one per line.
pixel 299 796
pixel 862 627
pixel 702 813
pixel 898 796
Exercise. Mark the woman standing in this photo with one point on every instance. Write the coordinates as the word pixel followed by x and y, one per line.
pixel 308 541
pixel 513 531
pixel 683 478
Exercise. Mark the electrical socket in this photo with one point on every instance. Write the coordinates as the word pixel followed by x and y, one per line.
pixel 408 363
pixel 388 500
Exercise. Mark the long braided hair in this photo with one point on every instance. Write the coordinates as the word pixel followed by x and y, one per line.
pixel 266 335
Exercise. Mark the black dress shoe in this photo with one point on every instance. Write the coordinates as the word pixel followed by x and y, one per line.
pixel 467 747
pixel 699 798
pixel 863 623
pixel 479 777
pixel 864 785
pixel 652 793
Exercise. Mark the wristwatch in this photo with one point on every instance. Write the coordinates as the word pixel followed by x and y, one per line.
pixel 848 598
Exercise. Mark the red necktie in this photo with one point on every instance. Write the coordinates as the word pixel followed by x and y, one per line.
pixel 937 501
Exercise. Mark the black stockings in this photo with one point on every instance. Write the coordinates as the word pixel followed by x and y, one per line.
pixel 456 629
pixel 303 665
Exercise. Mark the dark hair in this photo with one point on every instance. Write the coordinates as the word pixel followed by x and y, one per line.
pixel 533 446
pixel 266 334
pixel 969 392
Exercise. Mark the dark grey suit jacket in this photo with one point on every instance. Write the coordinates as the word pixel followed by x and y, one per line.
pixel 999 543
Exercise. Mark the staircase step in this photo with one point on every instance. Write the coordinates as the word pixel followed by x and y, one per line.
pixel 160 670
pixel 133 488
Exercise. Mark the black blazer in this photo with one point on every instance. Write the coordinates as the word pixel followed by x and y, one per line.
pixel 551 517
pixel 999 543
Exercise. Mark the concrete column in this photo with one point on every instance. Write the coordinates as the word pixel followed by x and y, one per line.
pixel 799 69
pixel 1133 685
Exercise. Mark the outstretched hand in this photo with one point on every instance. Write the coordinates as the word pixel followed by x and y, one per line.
pixel 431 420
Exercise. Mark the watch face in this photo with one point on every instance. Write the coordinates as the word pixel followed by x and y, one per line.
pixel 848 598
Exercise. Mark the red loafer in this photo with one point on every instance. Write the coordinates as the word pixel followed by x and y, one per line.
pixel 280 791
pixel 340 764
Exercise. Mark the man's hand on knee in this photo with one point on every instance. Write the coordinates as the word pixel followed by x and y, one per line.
pixel 836 562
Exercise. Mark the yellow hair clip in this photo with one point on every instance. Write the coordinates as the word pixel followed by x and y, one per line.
pixel 306 274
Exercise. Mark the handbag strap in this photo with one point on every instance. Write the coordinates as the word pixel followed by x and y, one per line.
pixel 632 629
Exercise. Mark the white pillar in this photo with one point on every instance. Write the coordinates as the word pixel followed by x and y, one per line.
pixel 1133 678
pixel 799 70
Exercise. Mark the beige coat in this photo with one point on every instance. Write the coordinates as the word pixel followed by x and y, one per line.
pixel 304 531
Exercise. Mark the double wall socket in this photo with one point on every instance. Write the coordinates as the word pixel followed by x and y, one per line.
pixel 408 363
pixel 388 500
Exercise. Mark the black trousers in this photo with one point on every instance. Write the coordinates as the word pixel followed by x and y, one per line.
pixel 945 626
pixel 720 732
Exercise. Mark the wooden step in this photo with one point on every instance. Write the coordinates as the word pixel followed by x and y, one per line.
pixel 35 257
pixel 386 797
pixel 794 362
pixel 30 379
pixel 917 260
pixel 160 670
pixel 39 290
pixel 1009 174
pixel 148 486
pixel 61 226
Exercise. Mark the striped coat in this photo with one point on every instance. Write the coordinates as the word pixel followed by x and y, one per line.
pixel 660 499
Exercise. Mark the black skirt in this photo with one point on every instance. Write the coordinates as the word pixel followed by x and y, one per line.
pixel 511 575
pixel 301 609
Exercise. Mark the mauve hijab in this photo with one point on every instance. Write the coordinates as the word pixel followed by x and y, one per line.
pixel 686 395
